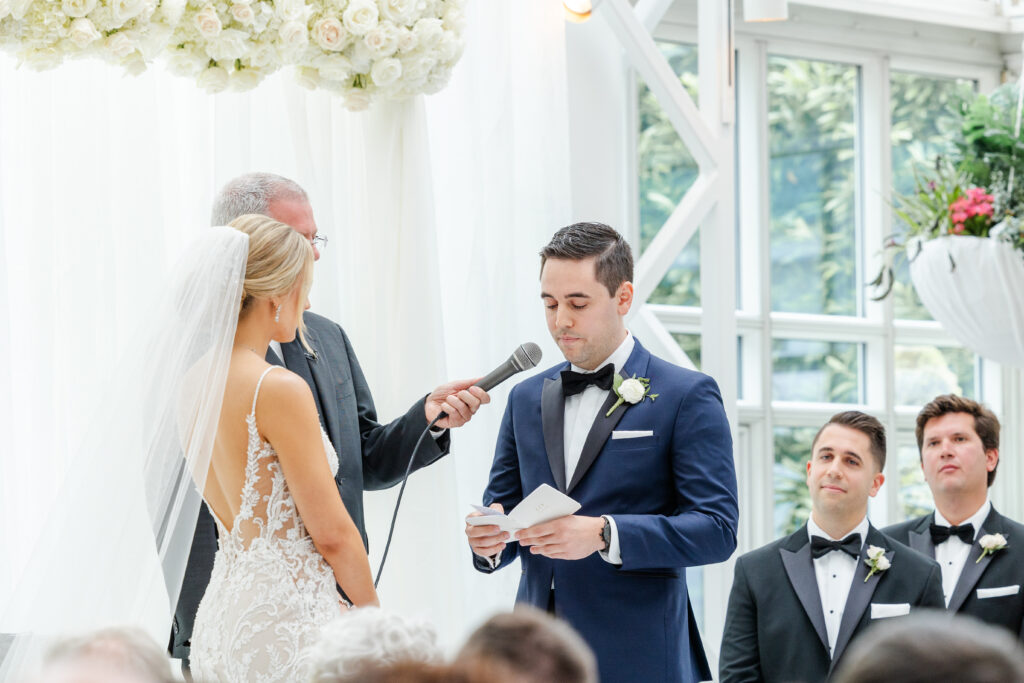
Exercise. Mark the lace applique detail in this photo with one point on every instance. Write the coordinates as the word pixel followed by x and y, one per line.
pixel 270 591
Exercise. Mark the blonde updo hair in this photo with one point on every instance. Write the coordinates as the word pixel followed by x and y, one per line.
pixel 279 258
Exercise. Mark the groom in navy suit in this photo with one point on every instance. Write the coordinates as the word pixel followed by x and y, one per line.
pixel 650 462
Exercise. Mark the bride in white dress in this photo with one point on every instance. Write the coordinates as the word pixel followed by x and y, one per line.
pixel 285 538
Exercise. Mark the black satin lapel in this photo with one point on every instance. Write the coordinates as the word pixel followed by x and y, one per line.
pixel 295 359
pixel 972 571
pixel 598 434
pixel 921 541
pixel 272 357
pixel 800 570
pixel 552 415
pixel 858 599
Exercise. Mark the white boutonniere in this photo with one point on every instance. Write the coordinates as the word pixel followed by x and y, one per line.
pixel 990 543
pixel 877 560
pixel 630 391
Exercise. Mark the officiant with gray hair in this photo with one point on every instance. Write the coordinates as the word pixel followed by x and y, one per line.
pixel 372 455
pixel 796 604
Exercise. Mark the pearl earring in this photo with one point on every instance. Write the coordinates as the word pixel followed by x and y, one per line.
pixel 277 314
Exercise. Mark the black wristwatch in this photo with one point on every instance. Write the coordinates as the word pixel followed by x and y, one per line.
pixel 606 534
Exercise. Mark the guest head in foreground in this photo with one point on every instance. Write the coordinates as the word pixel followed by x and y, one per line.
pixel 370 636
pixel 111 655
pixel 926 646
pixel 528 646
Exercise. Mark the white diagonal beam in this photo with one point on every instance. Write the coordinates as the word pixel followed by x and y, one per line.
pixel 663 250
pixel 643 54
pixel 651 12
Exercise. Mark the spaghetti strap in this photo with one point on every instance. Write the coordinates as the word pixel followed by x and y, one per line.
pixel 258 384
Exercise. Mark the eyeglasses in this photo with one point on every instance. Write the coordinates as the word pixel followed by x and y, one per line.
pixel 319 241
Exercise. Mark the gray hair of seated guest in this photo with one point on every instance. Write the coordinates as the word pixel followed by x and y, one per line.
pixel 370 636
pixel 127 651
pixel 252 193
pixel 933 644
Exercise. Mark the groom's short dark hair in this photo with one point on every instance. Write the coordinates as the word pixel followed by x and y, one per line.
pixel 613 264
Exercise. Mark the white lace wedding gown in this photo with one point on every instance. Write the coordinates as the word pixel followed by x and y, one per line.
pixel 270 591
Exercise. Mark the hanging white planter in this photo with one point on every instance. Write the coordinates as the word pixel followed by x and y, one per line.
pixel 974 286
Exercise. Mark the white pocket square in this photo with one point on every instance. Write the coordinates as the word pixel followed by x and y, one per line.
pixel 631 434
pixel 881 610
pixel 998 592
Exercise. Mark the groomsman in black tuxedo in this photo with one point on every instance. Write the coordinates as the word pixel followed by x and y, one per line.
pixel 980 552
pixel 797 603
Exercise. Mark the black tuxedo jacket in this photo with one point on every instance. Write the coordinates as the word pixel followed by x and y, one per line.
pixel 371 456
pixel 991 590
pixel 775 626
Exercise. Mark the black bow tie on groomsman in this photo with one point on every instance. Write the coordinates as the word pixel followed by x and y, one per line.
pixel 822 546
pixel 941 534
pixel 575 382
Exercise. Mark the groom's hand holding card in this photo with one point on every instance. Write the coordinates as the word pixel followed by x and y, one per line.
pixel 489 528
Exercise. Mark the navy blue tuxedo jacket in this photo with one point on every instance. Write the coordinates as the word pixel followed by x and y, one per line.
pixel 673 498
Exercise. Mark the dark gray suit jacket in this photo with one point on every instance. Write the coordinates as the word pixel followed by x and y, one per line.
pixel 999 576
pixel 371 456
pixel 775 626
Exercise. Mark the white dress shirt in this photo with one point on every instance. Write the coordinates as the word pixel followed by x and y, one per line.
pixel 834 573
pixel 952 554
pixel 581 410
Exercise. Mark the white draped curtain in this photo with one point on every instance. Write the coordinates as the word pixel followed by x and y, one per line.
pixel 435 209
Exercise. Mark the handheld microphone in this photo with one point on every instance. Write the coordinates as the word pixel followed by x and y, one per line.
pixel 525 357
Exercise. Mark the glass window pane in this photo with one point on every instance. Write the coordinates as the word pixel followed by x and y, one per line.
pixel 924 125
pixel 690 344
pixel 924 372
pixel 812 181
pixel 666 172
pixel 915 496
pixel 792 499
pixel 822 372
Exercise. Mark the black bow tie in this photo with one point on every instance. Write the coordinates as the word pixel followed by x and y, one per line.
pixel 941 534
pixel 575 382
pixel 823 546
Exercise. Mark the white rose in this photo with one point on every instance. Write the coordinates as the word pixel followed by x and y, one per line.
pixel 398 11
pixel 243 13
pixel 449 49
pixel 207 22
pixel 437 80
pixel 5 8
pixel 134 65
pixel 82 32
pixel 245 79
pixel 360 17
pixel 361 57
pixel 126 9
pixel 40 60
pixel 882 563
pixel 386 71
pixel 874 552
pixel 382 41
pixel 632 390
pixel 330 34
pixel 294 35
pixel 333 67
pixel 77 8
pixel 992 541
pixel 307 77
pixel 455 20
pixel 357 99
pixel 213 80
pixel 120 45
pixel 407 40
pixel 264 55
pixel 185 63
pixel 429 31
pixel 292 10
pixel 417 68
pixel 19 8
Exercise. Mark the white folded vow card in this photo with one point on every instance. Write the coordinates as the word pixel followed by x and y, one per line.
pixel 998 592
pixel 881 610
pixel 543 505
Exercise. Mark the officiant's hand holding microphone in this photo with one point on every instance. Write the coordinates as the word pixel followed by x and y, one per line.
pixel 459 400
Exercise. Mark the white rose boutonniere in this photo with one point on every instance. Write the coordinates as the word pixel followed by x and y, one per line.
pixel 876 560
pixel 632 391
pixel 990 543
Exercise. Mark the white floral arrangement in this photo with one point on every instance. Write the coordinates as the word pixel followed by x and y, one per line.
pixel 361 50
pixel 43 34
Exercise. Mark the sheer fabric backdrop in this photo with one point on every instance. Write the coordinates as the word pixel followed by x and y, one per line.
pixel 435 209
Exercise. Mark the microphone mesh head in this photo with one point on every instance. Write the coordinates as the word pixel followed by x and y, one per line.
pixel 527 356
